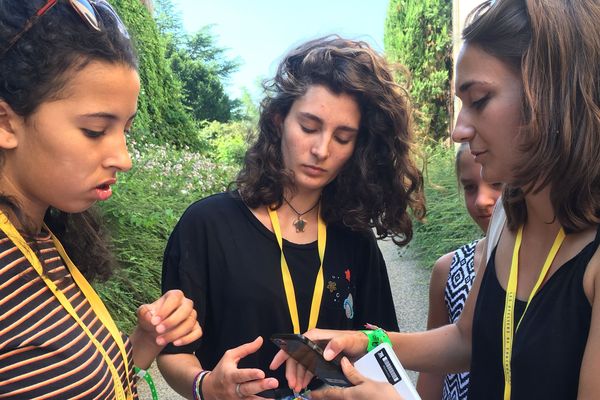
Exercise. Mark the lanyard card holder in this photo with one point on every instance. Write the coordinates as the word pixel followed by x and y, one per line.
pixel 381 364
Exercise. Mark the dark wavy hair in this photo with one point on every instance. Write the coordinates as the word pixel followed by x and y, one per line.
pixel 555 45
pixel 380 182
pixel 35 70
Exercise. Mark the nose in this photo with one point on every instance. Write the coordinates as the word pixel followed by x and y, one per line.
pixel 118 155
pixel 463 130
pixel 320 148
pixel 486 197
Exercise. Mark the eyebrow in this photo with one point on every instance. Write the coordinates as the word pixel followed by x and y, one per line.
pixel 465 86
pixel 106 115
pixel 320 121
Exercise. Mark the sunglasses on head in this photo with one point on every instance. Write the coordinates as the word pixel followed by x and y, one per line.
pixel 86 9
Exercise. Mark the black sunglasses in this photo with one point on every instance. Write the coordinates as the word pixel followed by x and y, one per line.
pixel 86 9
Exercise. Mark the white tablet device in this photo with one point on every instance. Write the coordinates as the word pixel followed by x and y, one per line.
pixel 381 364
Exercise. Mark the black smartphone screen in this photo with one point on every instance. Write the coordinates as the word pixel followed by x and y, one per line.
pixel 310 355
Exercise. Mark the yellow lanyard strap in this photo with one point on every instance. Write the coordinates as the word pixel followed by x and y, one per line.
pixel 287 277
pixel 511 294
pixel 95 302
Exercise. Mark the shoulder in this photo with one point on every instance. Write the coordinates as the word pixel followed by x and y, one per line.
pixel 342 231
pixel 212 205
pixel 591 279
pixel 441 269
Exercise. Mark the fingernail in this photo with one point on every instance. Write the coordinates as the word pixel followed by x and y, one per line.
pixel 160 341
pixel 155 320
pixel 328 354
pixel 160 328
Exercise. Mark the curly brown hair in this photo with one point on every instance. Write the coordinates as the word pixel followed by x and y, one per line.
pixel 555 46
pixel 380 182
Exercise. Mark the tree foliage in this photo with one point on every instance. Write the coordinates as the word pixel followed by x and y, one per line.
pixel 162 117
pixel 200 64
pixel 418 35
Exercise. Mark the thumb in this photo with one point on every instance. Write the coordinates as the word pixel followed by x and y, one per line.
pixel 147 316
pixel 246 349
pixel 355 377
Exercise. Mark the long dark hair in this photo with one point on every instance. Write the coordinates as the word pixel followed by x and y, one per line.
pixel 555 45
pixel 380 182
pixel 34 70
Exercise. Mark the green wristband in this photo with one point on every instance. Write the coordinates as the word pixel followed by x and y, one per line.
pixel 376 337
pixel 142 373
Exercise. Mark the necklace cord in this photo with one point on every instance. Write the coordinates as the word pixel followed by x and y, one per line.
pixel 305 212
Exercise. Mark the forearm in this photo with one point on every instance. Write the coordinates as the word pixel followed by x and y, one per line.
pixel 179 370
pixel 144 347
pixel 442 350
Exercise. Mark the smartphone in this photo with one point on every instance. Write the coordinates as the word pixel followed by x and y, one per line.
pixel 310 355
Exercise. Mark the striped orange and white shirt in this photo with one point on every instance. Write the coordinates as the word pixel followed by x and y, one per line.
pixel 44 353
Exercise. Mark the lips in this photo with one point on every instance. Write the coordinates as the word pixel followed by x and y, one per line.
pixel 313 170
pixel 104 191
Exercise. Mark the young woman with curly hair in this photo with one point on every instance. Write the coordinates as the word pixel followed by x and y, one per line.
pixel 293 246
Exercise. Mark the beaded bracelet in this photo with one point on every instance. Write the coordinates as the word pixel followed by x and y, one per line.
pixel 197 385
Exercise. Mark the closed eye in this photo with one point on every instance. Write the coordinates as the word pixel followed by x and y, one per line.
pixel 92 134
pixel 342 140
pixel 479 104
pixel 307 129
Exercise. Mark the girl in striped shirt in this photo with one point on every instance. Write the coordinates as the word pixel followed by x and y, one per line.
pixel 68 96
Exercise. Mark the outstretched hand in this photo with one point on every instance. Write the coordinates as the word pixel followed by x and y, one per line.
pixel 364 389
pixel 227 381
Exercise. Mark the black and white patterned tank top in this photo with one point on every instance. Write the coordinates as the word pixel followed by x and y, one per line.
pixel 460 280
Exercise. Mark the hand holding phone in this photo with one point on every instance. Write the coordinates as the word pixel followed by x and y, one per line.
pixel 310 355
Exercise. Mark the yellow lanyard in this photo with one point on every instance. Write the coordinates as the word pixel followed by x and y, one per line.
pixel 95 302
pixel 287 277
pixel 511 294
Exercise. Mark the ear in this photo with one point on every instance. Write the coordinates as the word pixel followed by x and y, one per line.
pixel 8 121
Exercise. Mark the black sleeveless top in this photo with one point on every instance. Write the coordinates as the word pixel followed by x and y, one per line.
pixel 549 344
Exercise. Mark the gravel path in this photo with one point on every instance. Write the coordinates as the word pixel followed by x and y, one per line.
pixel 409 287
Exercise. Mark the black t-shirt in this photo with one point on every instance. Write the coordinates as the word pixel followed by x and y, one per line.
pixel 228 263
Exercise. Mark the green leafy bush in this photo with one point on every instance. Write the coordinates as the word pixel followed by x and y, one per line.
pixel 146 204
pixel 448 225
pixel 227 142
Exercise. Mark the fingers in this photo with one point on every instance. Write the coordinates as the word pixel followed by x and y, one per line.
pixel 351 373
pixel 171 308
pixel 290 372
pixel 171 318
pixel 351 344
pixel 279 359
pixel 297 375
pixel 251 388
pixel 237 353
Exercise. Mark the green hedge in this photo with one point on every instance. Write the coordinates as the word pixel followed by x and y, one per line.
pixel 161 118
pixel 448 225
pixel 418 35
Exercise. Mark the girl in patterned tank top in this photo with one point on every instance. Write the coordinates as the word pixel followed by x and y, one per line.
pixel 68 96
pixel 452 274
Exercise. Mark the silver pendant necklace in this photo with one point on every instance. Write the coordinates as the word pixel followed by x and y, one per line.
pixel 300 223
